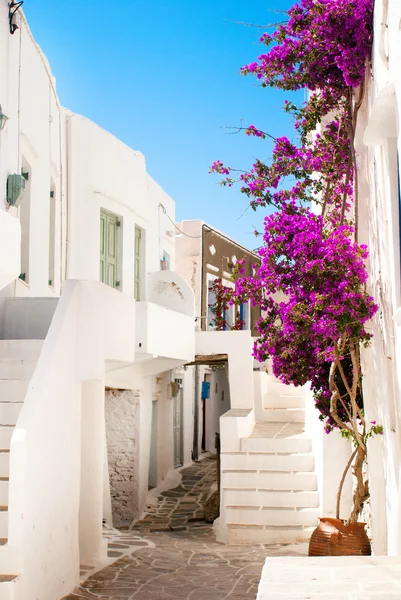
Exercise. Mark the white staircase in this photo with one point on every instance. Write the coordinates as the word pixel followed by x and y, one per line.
pixel 18 360
pixel 269 487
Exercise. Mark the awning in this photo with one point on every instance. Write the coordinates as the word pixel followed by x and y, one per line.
pixel 209 359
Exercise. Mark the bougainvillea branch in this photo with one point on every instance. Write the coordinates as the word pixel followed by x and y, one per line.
pixel 311 283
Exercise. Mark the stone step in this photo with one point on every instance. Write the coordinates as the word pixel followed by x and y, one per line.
pixel 9 412
pixel 299 499
pixel 248 534
pixel 13 390
pixel 4 463
pixel 6 433
pixel 265 480
pixel 16 368
pixel 282 401
pixel 265 461
pixel 289 415
pixel 279 517
pixel 21 349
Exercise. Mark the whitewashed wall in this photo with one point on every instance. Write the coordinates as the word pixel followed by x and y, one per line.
pixel 378 141
pixel 105 173
pixel 31 140
pixel 189 260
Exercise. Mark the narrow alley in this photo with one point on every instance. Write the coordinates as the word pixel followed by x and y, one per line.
pixel 179 558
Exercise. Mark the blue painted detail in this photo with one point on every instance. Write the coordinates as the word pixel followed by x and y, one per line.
pixel 205 389
pixel 242 314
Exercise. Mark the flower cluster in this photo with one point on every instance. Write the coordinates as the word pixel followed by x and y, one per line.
pixel 323 45
pixel 311 281
pixel 320 274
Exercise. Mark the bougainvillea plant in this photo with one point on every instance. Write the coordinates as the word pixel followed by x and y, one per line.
pixel 311 281
pixel 224 298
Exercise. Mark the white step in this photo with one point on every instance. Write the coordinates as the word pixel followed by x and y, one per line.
pixel 13 390
pixel 280 517
pixel 3 524
pixel 9 412
pixel 265 461
pixel 298 499
pixel 292 445
pixel 20 348
pixel 247 534
pixel 280 389
pixel 6 433
pixel 265 480
pixel 4 463
pixel 276 401
pixel 15 368
pixel 4 491
pixel 290 415
pixel 9 584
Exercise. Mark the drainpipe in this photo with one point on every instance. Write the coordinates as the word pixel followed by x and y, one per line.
pixel 195 447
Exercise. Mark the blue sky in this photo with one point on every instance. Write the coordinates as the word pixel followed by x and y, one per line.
pixel 164 78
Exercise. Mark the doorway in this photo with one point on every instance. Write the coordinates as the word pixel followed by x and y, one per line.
pixel 205 396
pixel 152 481
pixel 177 425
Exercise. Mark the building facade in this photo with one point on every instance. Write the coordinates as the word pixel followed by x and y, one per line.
pixel 378 148
pixel 204 255
pixel 93 323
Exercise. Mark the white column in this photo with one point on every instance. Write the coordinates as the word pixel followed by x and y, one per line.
pixel 91 544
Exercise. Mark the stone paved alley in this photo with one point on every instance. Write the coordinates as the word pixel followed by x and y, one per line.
pixel 172 552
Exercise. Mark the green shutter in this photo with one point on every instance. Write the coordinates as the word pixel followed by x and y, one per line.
pixel 103 236
pixel 111 250
pixel 108 248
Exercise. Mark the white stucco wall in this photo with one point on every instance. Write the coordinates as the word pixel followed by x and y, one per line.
pixel 238 346
pixel 378 139
pixel 105 173
pixel 189 260
pixel 31 140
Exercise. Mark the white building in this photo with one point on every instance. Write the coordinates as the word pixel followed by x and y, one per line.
pixel 378 153
pixel 203 255
pixel 279 470
pixel 90 213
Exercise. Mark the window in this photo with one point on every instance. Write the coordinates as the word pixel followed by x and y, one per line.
pixel 138 253
pixel 244 315
pixel 109 224
pixel 211 300
pixel 25 220
pixel 52 233
pixel 229 317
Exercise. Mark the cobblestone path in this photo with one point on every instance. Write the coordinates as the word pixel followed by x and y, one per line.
pixel 181 560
